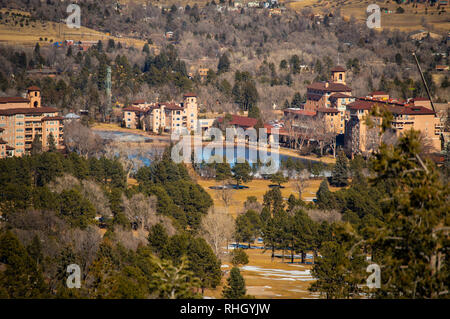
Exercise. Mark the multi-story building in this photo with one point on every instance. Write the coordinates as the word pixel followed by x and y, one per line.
pixel 359 137
pixel 167 117
pixel 330 99
pixel 22 119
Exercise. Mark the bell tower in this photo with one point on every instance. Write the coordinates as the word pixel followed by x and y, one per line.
pixel 338 74
pixel 34 95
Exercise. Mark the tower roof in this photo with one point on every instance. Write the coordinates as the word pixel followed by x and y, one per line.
pixel 33 88
pixel 338 69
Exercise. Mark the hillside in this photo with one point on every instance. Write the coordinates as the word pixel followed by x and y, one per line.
pixel 16 27
pixel 413 18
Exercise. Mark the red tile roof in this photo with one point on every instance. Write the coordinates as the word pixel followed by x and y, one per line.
pixel 139 102
pixel 269 128
pixel 33 88
pixel 340 96
pixel 172 107
pixel 242 121
pixel 133 109
pixel 395 108
pixel 328 110
pixel 361 105
pixel 300 112
pixel 332 87
pixel 338 69
pixel 26 110
pixel 190 95
pixel 13 99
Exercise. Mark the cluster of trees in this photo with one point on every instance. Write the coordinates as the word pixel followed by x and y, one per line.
pixel 48 204
pixel 178 195
pixel 396 218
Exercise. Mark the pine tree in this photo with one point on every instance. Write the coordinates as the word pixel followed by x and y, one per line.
pixel 325 198
pixel 224 64
pixel 51 143
pixel 36 145
pixel 296 101
pixel 339 175
pixel 236 285
pixel 411 246
pixel 242 173
pixel 146 49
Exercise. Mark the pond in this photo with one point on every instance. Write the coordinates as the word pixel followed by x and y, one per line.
pixel 150 151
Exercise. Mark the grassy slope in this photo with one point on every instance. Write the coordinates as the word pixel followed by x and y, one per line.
pixel 10 32
pixel 408 21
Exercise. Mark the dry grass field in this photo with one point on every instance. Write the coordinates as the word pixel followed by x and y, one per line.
pixel 267 278
pixel 258 188
pixel 411 19
pixel 23 31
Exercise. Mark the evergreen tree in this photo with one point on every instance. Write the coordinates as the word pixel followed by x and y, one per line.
pixel 297 101
pixel 21 277
pixel 242 173
pixel 279 178
pixel 325 198
pixel 239 257
pixel 174 281
pixel 224 64
pixel 236 285
pixel 51 143
pixel 339 175
pixel 411 245
pixel 36 145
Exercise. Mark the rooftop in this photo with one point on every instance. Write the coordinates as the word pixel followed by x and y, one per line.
pixel 394 107
pixel 13 99
pixel 299 112
pixel 242 121
pixel 332 87
pixel 26 110
pixel 338 69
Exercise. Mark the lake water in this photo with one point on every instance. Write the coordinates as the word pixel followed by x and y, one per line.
pixel 150 152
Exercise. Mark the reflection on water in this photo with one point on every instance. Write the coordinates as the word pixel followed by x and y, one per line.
pixel 148 152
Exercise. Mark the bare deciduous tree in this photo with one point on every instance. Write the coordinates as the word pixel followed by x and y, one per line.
pixel 225 194
pixel 302 182
pixel 217 229
pixel 330 216
pixel 80 138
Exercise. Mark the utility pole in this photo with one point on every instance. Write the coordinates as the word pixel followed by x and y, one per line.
pixel 108 86
pixel 424 82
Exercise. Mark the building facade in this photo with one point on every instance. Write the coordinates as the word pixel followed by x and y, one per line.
pixel 359 137
pixel 24 119
pixel 163 117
